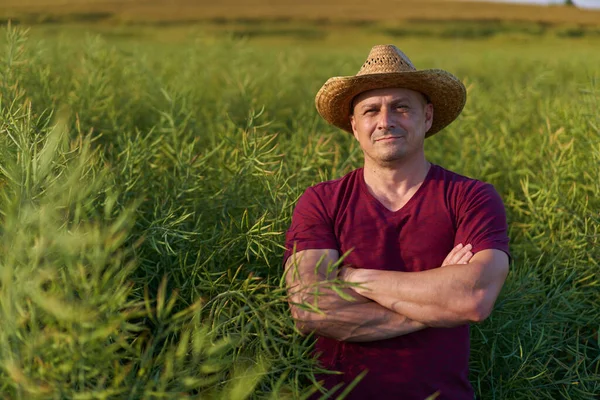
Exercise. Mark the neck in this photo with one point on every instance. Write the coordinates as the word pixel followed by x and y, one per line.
pixel 397 180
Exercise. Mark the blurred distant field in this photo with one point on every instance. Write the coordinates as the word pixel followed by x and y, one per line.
pixel 323 11
pixel 340 22
pixel 151 157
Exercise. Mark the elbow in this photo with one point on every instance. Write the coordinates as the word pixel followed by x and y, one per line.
pixel 480 307
pixel 487 288
pixel 480 313
pixel 303 327
pixel 299 319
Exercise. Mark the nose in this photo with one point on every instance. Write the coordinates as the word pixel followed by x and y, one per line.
pixel 386 121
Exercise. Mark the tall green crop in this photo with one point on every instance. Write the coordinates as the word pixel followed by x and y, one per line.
pixel 145 189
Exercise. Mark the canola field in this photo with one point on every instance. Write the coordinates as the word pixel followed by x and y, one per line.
pixel 148 174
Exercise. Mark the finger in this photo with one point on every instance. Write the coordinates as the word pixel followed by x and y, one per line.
pixel 465 251
pixel 459 254
pixel 450 257
pixel 455 250
pixel 465 258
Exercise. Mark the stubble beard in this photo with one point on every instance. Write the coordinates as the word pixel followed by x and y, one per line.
pixel 393 155
pixel 388 157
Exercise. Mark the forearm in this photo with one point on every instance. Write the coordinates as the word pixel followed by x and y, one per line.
pixel 431 307
pixel 323 304
pixel 343 314
pixel 360 322
pixel 448 296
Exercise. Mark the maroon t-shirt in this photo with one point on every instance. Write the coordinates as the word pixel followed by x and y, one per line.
pixel 447 209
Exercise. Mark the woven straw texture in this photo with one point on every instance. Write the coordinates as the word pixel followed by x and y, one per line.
pixel 387 66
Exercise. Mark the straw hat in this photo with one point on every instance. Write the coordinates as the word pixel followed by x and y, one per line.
pixel 387 66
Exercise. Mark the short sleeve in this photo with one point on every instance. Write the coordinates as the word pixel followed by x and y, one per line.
pixel 311 228
pixel 481 220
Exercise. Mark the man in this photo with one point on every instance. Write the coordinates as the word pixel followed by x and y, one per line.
pixel 427 247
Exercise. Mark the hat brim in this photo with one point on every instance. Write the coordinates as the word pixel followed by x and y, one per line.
pixel 446 92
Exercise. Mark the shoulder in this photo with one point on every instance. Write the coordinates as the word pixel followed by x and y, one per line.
pixel 335 185
pixel 455 178
pixel 324 199
pixel 464 192
pixel 329 191
pixel 479 213
pixel 461 184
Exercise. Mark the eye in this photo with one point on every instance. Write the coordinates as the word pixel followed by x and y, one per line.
pixel 370 111
pixel 402 107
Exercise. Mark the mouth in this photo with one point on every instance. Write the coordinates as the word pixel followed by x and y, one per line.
pixel 388 138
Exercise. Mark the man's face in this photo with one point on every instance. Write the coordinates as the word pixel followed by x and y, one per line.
pixel 390 124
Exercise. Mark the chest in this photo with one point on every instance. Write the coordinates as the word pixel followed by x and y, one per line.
pixel 415 238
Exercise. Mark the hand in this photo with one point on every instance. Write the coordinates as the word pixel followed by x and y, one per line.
pixel 345 273
pixel 459 255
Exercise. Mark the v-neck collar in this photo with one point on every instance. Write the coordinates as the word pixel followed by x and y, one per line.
pixel 407 205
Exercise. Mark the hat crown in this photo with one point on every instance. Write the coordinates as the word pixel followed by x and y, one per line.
pixel 385 59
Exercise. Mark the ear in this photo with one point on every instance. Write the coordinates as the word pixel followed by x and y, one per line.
pixel 353 124
pixel 428 116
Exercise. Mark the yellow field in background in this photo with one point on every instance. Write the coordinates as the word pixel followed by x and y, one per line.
pixel 322 10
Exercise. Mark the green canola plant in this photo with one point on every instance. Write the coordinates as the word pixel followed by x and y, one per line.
pixel 145 190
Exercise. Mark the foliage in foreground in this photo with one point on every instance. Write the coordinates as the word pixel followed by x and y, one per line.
pixel 144 195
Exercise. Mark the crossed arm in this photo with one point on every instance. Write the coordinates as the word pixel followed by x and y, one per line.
pixel 440 297
pixel 389 303
pixel 343 314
